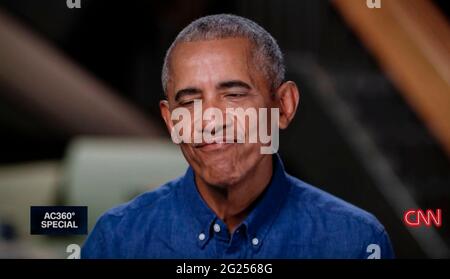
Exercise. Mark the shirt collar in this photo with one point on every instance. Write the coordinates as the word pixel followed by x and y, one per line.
pixel 257 223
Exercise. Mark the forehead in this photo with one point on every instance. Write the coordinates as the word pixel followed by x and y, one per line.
pixel 203 63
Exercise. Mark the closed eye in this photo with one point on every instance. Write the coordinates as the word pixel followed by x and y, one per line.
pixel 235 95
pixel 187 102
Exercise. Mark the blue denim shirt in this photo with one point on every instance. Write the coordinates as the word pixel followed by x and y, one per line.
pixel 291 219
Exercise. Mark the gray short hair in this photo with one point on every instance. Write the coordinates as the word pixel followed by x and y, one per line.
pixel 267 54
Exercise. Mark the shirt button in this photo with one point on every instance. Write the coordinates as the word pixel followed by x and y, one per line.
pixel 201 236
pixel 216 228
pixel 255 241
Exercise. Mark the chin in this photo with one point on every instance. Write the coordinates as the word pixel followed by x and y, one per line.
pixel 220 178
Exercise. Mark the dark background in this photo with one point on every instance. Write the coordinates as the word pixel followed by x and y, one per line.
pixel 123 43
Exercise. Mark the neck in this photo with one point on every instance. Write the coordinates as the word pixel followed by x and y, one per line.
pixel 233 203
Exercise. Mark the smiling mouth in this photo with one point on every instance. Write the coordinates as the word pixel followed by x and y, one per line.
pixel 215 144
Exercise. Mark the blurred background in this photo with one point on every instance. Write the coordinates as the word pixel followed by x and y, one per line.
pixel 80 123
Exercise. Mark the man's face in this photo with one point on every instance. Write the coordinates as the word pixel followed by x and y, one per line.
pixel 221 74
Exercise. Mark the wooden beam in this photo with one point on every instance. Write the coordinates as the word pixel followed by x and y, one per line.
pixel 60 91
pixel 411 41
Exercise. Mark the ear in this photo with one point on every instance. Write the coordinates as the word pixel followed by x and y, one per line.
pixel 165 113
pixel 288 99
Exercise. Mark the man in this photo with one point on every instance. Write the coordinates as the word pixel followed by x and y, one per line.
pixel 234 200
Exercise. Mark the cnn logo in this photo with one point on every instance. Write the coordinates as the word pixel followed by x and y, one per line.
pixel 417 218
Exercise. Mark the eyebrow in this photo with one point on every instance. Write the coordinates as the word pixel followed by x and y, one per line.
pixel 233 83
pixel 186 92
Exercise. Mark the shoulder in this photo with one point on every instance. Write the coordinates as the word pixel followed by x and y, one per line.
pixel 111 233
pixel 325 206
pixel 144 204
pixel 144 209
pixel 335 224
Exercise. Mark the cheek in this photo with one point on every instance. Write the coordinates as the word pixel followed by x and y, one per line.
pixel 187 153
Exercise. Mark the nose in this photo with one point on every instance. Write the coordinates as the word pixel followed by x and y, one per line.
pixel 212 116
